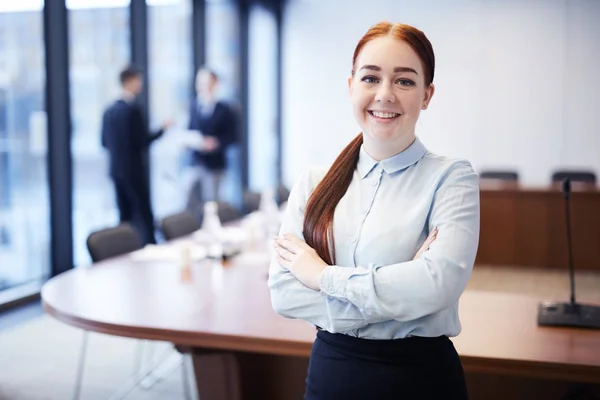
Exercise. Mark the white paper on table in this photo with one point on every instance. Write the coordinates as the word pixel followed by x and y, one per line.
pixel 168 252
pixel 230 234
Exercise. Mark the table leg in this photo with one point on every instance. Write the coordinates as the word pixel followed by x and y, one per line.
pixel 247 376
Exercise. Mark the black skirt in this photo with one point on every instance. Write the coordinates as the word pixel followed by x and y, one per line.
pixel 343 367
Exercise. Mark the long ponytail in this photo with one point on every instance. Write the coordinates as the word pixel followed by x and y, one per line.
pixel 321 205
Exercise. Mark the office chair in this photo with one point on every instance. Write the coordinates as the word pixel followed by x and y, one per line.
pixel 226 211
pixel 282 194
pixel 584 178
pixel 178 225
pixel 251 202
pixel 499 179
pixel 104 244
pixel 500 175
pixel 112 242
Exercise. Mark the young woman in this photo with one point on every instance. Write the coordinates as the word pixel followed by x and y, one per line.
pixel 376 251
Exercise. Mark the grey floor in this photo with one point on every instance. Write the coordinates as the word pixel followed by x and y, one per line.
pixel 20 314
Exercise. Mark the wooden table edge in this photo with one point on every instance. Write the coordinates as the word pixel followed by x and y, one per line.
pixel 209 341
pixel 193 339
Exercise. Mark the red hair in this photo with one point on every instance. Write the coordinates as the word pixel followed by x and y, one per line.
pixel 322 203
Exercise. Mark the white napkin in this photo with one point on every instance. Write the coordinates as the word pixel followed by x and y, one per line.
pixel 168 252
pixel 230 234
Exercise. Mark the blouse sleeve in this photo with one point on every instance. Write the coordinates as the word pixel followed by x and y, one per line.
pixel 435 281
pixel 291 298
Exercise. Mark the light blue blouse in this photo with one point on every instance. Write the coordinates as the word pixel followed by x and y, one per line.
pixel 376 290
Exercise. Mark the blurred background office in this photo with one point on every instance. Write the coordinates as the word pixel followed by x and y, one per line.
pixel 516 90
pixel 170 40
pixel 516 94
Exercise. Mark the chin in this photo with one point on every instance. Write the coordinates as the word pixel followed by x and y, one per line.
pixel 383 136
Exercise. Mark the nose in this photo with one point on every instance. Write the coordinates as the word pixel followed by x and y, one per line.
pixel 385 94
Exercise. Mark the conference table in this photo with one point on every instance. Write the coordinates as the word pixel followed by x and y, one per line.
pixel 526 226
pixel 241 349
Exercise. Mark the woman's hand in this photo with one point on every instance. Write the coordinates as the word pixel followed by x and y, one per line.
pixel 300 259
pixel 430 239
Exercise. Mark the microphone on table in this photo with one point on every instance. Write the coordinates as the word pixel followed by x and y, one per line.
pixel 571 313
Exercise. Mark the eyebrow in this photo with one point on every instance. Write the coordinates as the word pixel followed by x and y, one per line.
pixel 396 69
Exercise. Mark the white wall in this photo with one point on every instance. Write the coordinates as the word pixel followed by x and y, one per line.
pixel 517 81
pixel 262 107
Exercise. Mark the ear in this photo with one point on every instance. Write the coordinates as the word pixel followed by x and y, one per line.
pixel 428 95
pixel 350 85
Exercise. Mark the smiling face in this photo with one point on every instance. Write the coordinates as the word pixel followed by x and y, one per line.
pixel 388 92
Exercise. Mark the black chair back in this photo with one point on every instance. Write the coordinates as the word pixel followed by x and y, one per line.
pixel 112 242
pixel 587 177
pixel 499 175
pixel 251 202
pixel 181 224
pixel 227 212
pixel 282 194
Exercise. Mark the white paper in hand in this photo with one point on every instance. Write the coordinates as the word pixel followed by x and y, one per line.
pixel 190 139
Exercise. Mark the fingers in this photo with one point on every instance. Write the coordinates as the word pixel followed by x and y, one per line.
pixel 285 257
pixel 283 262
pixel 431 238
pixel 281 243
pixel 284 253
pixel 291 242
pixel 425 247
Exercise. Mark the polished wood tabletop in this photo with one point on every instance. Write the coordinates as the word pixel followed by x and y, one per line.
pixel 227 306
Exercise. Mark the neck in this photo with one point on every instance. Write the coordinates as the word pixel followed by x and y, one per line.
pixel 382 150
pixel 204 99
pixel 128 95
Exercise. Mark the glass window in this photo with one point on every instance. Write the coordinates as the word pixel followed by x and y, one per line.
pixel 223 45
pixel 24 198
pixel 170 88
pixel 223 57
pixel 99 50
pixel 262 105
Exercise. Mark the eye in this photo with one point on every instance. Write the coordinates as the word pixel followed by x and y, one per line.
pixel 405 82
pixel 370 79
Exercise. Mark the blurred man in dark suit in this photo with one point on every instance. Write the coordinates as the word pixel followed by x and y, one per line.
pixel 216 122
pixel 126 137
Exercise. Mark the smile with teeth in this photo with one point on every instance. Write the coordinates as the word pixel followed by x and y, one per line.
pixel 385 115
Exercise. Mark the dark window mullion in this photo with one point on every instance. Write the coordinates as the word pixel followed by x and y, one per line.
pixel 198 38
pixel 57 98
pixel 244 15
pixel 138 20
pixel 138 25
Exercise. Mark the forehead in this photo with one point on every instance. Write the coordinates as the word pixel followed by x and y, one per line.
pixel 387 53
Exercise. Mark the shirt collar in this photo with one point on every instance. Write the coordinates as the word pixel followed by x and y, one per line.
pixel 402 160
pixel 203 102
